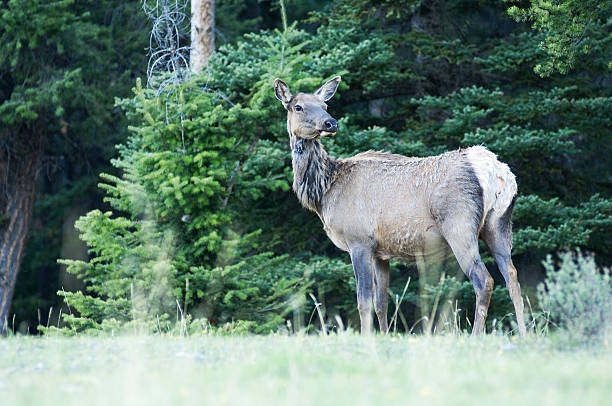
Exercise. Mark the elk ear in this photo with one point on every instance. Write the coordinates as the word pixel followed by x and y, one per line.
pixel 328 90
pixel 282 92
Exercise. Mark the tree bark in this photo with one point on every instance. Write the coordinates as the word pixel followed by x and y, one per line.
pixel 202 33
pixel 12 247
pixel 20 163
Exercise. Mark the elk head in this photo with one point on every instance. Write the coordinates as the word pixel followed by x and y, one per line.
pixel 307 115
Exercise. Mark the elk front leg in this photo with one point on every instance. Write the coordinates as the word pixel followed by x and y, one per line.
pixel 362 265
pixel 381 288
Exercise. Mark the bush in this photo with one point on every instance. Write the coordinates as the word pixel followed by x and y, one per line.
pixel 578 297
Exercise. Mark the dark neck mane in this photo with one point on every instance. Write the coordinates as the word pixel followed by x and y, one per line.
pixel 313 171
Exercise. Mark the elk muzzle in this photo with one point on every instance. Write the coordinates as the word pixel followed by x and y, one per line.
pixel 329 127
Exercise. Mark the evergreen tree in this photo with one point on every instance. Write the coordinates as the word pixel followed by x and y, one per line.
pixel 571 29
pixel 61 64
pixel 418 79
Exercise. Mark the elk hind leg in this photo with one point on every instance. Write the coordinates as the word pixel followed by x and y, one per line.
pixel 483 286
pixel 497 234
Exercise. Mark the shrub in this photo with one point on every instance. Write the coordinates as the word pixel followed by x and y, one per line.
pixel 578 297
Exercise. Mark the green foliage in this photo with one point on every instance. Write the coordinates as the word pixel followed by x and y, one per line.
pixel 176 175
pixel 203 220
pixel 566 227
pixel 578 297
pixel 61 65
pixel 572 29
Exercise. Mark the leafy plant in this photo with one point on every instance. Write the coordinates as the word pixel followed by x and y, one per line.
pixel 578 297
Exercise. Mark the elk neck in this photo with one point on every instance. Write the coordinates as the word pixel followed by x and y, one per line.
pixel 313 171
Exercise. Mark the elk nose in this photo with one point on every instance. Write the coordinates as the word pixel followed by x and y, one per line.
pixel 331 125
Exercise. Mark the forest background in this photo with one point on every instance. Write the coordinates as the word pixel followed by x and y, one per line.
pixel 184 192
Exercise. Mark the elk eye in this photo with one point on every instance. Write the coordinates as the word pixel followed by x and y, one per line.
pixel 298 107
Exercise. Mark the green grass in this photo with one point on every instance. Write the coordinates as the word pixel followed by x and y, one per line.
pixel 338 370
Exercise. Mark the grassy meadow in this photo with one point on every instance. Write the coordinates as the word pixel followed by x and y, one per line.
pixel 343 369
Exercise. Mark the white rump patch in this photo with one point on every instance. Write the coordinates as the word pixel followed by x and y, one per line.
pixel 497 181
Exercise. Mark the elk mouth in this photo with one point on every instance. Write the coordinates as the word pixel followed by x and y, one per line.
pixel 323 133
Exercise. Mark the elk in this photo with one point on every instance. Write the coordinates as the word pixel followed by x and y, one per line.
pixel 378 206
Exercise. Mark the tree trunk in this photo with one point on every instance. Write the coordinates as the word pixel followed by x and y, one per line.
pixel 19 210
pixel 202 33
pixel 20 163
